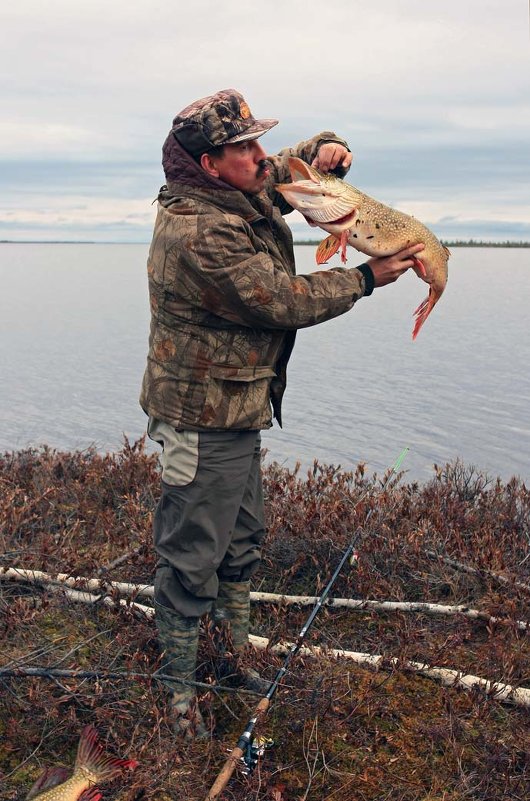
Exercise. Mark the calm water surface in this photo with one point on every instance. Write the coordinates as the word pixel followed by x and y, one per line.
pixel 74 325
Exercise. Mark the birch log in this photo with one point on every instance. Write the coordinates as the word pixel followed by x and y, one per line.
pixel 519 696
pixel 146 590
pixel 463 568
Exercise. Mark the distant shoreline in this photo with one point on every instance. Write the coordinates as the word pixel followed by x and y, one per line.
pixel 450 243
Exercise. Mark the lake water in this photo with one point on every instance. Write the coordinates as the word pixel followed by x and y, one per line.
pixel 74 326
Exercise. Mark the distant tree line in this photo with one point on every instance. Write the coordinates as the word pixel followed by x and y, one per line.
pixel 453 243
pixel 478 243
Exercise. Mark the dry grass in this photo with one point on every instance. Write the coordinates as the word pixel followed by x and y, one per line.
pixel 341 733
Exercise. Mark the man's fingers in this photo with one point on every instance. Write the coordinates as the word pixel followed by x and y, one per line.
pixel 330 156
pixel 346 161
pixel 410 251
pixel 325 160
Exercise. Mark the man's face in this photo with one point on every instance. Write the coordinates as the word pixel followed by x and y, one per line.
pixel 243 166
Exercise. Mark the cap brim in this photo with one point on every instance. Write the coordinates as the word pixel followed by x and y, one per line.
pixel 257 129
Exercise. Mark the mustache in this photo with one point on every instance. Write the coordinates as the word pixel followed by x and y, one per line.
pixel 262 166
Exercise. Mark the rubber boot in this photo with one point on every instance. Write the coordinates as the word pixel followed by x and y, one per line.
pixel 231 616
pixel 178 637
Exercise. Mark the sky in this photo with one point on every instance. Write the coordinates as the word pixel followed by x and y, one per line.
pixel 433 98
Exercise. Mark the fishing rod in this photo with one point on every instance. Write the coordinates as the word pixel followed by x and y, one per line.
pixel 246 749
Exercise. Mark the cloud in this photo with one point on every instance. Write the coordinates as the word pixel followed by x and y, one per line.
pixel 433 98
pixel 81 218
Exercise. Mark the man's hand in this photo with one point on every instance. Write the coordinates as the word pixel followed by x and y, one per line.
pixel 330 156
pixel 387 269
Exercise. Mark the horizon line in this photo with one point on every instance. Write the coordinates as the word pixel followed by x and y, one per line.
pixel 448 242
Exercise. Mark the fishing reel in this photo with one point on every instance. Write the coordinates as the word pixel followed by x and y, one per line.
pixel 254 750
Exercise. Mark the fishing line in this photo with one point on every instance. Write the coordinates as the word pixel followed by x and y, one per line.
pixel 247 750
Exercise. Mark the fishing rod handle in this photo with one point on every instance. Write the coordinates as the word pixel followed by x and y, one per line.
pixel 237 753
pixel 225 775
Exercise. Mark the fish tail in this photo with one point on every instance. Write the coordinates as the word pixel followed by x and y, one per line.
pixel 93 794
pixel 92 756
pixel 423 311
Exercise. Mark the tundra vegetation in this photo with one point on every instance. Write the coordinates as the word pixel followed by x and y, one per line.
pixel 341 732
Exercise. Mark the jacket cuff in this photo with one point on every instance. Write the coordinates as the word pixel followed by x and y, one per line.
pixel 369 280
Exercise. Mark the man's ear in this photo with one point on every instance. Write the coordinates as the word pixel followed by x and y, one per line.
pixel 208 165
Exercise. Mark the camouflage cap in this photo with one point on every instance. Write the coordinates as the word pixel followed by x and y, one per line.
pixel 220 119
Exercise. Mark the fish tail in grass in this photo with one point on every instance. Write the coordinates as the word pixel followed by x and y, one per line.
pixel 91 795
pixel 91 756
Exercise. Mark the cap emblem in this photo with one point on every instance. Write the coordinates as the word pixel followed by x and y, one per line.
pixel 244 111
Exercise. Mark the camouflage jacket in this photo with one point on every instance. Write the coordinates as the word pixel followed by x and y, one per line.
pixel 225 300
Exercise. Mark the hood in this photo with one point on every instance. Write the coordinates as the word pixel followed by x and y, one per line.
pixel 180 167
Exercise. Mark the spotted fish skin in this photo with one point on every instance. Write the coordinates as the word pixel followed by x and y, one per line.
pixel 77 787
pixel 92 766
pixel 353 218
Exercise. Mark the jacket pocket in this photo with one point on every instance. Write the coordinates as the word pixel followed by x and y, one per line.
pixel 228 373
pixel 237 397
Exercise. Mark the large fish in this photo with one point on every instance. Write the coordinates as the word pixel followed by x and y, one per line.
pixel 92 766
pixel 353 218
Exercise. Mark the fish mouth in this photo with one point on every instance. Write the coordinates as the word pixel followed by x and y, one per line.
pixel 318 205
pixel 322 199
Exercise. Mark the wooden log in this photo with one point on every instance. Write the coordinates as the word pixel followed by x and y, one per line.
pixel 361 604
pixel 519 696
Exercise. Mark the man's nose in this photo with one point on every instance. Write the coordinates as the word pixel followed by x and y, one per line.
pixel 259 153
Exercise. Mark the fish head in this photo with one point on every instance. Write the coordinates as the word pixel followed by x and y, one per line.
pixel 323 199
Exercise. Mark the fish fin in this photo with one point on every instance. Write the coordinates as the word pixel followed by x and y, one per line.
pixel 343 245
pixel 93 794
pixel 300 171
pixel 423 311
pixel 419 267
pixel 327 248
pixel 92 756
pixel 447 251
pixel 49 779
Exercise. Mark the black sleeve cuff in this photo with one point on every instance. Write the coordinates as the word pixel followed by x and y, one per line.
pixel 369 281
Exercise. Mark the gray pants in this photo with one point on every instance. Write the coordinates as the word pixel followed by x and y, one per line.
pixel 209 523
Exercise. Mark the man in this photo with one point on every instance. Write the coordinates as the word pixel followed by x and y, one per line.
pixel 225 304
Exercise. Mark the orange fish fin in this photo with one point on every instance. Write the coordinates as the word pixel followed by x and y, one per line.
pixel 93 794
pixel 343 245
pixel 92 756
pixel 419 267
pixel 327 248
pixel 49 779
pixel 423 311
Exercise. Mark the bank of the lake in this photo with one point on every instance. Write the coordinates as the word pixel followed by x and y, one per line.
pixel 341 729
